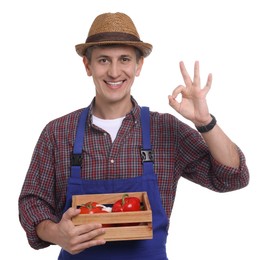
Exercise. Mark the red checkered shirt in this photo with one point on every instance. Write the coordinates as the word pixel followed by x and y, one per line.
pixel 178 149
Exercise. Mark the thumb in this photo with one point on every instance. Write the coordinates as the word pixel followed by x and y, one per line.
pixel 70 213
pixel 174 103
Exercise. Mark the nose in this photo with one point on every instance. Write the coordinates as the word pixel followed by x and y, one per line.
pixel 114 70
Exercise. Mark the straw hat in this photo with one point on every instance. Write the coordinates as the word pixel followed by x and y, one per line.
pixel 113 28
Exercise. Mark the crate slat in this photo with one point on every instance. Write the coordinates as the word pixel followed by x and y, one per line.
pixel 127 233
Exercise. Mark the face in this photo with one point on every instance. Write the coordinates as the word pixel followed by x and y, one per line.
pixel 113 70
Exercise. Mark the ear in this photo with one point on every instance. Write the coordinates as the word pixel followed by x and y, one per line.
pixel 139 66
pixel 87 65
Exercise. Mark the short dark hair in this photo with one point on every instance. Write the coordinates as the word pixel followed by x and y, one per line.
pixel 138 52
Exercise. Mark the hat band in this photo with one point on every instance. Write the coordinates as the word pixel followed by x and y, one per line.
pixel 112 36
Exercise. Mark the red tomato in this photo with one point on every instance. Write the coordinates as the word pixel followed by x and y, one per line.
pixel 127 204
pixel 94 207
pixel 91 208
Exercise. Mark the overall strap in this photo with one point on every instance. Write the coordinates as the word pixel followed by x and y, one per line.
pixel 76 157
pixel 146 151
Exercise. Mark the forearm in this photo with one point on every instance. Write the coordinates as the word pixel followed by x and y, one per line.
pixel 222 149
pixel 47 231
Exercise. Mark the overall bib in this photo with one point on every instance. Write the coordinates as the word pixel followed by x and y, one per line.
pixel 150 249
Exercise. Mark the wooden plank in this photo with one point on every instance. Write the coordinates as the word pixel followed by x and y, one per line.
pixel 114 217
pixel 106 198
pixel 127 233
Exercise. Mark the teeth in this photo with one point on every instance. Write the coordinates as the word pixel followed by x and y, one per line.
pixel 114 83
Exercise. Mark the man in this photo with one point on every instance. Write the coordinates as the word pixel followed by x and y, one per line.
pixel 114 145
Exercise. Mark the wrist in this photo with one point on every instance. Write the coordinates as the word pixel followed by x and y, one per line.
pixel 46 231
pixel 208 127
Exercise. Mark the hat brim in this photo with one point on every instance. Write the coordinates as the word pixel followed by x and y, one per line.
pixel 145 48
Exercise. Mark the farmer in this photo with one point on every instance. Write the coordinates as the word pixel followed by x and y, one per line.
pixel 116 145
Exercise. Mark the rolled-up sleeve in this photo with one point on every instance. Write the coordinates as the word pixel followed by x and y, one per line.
pixel 226 178
pixel 200 167
pixel 36 201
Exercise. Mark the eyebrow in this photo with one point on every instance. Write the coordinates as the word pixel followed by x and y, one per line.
pixel 102 56
pixel 108 57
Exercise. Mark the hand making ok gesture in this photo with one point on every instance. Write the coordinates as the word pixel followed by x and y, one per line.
pixel 193 105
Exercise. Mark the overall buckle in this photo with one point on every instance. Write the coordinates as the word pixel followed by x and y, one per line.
pixel 76 159
pixel 146 155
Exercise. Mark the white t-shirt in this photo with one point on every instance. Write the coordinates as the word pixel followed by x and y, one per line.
pixel 109 125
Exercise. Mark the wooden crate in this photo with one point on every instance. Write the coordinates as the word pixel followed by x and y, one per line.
pixel 134 225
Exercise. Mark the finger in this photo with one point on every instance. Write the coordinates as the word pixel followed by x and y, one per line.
pixel 83 243
pixel 209 81
pixel 185 74
pixel 87 244
pixel 83 229
pixel 177 91
pixel 196 79
pixel 88 233
pixel 208 84
pixel 94 242
pixel 173 103
pixel 70 213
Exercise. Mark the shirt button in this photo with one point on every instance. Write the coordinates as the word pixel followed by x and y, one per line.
pixel 112 161
pixel 105 134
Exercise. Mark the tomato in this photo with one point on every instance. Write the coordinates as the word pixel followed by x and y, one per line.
pixel 127 204
pixel 93 207
pixel 84 210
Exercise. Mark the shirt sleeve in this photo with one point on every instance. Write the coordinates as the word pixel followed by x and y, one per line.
pixel 36 201
pixel 200 167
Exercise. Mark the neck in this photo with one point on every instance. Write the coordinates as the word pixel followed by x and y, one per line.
pixel 112 110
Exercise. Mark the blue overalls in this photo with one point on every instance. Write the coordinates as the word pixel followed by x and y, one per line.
pixel 150 249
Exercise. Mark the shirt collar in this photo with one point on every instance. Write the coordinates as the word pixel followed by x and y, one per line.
pixel 133 115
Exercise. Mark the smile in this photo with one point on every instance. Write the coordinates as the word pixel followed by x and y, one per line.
pixel 115 84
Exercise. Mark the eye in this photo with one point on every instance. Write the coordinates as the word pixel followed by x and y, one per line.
pixel 125 59
pixel 103 60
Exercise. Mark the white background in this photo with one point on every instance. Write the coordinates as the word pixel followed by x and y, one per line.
pixel 43 78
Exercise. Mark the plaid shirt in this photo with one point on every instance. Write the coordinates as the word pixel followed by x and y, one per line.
pixel 178 149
